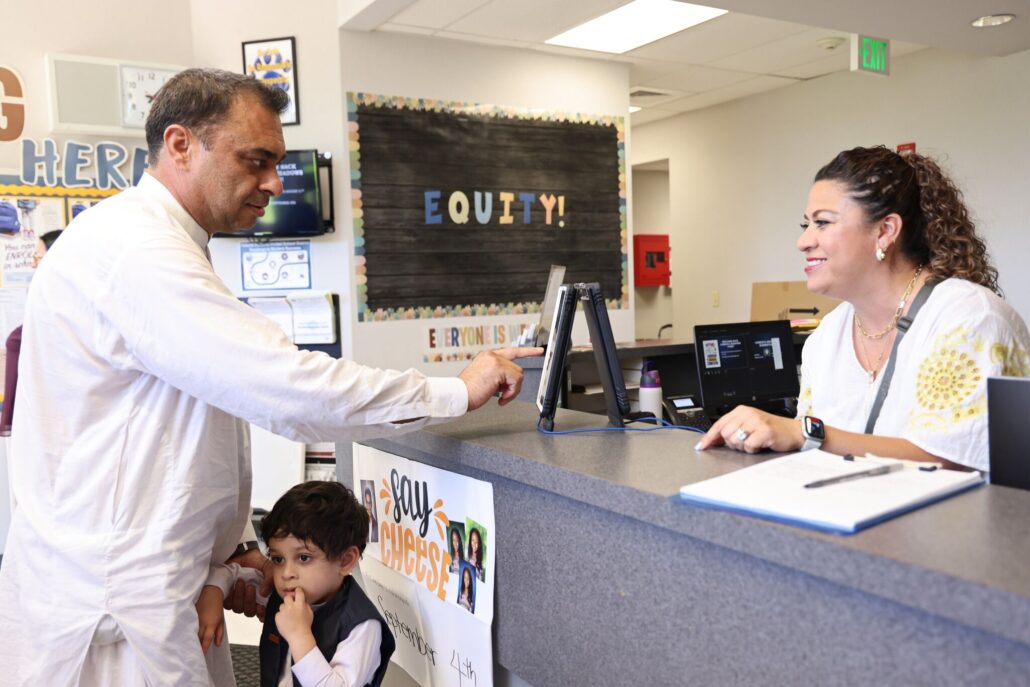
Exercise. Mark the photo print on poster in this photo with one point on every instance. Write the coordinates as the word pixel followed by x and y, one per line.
pixel 456 545
pixel 475 547
pixel 368 499
pixel 467 587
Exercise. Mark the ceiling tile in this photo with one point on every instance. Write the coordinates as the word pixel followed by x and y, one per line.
pixel 642 71
pixel 697 79
pixel 531 20
pixel 780 54
pixel 436 14
pixel 732 92
pixel 718 38
pixel 838 60
pixel 483 40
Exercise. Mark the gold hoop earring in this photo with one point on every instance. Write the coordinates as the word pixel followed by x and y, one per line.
pixel 880 254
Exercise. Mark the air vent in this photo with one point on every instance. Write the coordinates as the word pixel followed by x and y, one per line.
pixel 649 97
pixel 645 93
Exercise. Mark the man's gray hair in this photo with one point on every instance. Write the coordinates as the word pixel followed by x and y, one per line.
pixel 200 99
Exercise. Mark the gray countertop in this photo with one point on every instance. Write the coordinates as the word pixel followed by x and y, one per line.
pixel 966 559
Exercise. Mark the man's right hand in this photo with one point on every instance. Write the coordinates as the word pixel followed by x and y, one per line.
pixel 242 597
pixel 491 372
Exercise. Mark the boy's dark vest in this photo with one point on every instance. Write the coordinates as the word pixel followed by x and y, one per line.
pixel 332 624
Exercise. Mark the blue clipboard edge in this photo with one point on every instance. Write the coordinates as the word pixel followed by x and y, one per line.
pixel 817 524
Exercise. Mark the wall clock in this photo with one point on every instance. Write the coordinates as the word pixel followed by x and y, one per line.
pixel 102 96
pixel 139 85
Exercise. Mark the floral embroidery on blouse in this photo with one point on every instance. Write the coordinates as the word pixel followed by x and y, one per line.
pixel 1014 360
pixel 949 379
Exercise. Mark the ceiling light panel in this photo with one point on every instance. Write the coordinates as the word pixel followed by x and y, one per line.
pixel 636 24
pixel 532 21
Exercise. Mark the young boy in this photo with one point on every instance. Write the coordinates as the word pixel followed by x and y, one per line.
pixel 320 628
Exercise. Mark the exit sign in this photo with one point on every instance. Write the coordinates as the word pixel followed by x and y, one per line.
pixel 870 55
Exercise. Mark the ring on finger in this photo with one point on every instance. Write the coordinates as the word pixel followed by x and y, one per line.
pixel 742 435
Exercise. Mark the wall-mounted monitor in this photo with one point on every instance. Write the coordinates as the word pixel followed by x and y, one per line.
pixel 305 206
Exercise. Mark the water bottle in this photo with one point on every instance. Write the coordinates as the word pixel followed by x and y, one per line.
pixel 650 391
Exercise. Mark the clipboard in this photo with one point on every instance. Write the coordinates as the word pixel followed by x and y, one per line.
pixel 775 490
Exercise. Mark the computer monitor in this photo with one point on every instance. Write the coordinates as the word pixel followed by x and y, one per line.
pixel 555 354
pixel 603 342
pixel 746 363
pixel 1008 434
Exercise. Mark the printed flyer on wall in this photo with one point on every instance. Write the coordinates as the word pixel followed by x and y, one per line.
pixel 429 566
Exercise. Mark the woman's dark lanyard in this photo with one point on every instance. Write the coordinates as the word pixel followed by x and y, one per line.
pixel 903 326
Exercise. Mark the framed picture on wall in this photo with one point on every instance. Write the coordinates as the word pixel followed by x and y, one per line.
pixel 274 61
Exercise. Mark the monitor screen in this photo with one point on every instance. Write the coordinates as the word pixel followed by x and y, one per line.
pixel 749 363
pixel 554 282
pixel 298 210
pixel 555 353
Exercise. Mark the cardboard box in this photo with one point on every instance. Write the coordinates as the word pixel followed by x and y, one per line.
pixel 787 300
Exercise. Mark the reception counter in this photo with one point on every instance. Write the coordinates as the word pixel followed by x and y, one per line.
pixel 603 579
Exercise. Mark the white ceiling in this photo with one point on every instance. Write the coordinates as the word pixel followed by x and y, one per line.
pixel 758 46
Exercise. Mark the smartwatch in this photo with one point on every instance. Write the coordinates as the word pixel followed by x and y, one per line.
pixel 814 432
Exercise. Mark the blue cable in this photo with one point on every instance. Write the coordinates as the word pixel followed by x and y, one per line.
pixel 665 425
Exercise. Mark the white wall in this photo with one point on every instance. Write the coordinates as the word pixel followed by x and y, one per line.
pixel 33 29
pixel 652 307
pixel 740 172
pixel 219 29
pixel 413 66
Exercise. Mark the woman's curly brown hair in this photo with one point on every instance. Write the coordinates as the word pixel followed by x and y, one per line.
pixel 936 229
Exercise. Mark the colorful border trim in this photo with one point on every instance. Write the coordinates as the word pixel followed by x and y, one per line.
pixel 430 104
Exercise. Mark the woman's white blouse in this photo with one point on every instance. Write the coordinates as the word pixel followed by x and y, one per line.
pixel 963 334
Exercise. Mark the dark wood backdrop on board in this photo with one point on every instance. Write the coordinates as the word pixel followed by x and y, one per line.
pixel 405 152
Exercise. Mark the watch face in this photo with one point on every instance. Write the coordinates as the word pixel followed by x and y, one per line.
pixel 139 86
pixel 814 428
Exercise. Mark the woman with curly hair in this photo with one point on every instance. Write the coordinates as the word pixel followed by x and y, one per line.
pixel 878 228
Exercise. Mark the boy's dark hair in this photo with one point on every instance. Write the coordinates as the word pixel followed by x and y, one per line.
pixel 325 513
pixel 50 237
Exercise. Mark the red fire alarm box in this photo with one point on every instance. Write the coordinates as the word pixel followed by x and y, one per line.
pixel 651 260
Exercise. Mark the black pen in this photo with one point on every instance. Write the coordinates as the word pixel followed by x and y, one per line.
pixel 872 472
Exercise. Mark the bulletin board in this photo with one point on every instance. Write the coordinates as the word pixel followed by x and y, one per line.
pixel 461 209
pixel 27 211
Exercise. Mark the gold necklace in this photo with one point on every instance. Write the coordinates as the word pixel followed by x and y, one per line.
pixel 871 371
pixel 897 313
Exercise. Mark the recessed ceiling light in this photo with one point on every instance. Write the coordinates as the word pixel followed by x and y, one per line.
pixel 993 20
pixel 634 108
pixel 638 23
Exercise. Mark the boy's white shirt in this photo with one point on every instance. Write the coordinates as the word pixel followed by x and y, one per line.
pixel 353 664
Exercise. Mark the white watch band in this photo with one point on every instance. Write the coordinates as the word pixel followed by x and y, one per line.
pixel 810 443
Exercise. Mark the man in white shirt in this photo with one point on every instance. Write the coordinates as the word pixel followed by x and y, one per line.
pixel 130 465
